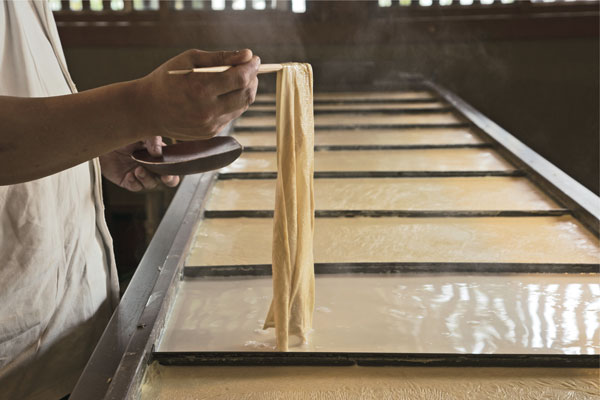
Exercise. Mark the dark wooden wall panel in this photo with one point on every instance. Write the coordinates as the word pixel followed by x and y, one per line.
pixel 531 68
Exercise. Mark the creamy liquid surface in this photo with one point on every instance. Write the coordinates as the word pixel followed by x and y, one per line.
pixel 366 106
pixel 368 383
pixel 502 314
pixel 487 193
pixel 244 241
pixel 383 160
pixel 370 137
pixel 400 95
pixel 358 119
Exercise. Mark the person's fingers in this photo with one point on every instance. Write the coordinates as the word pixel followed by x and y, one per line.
pixel 225 119
pixel 131 183
pixel 154 146
pixel 238 57
pixel 195 58
pixel 235 78
pixel 147 179
pixel 201 58
pixel 236 103
pixel 239 99
pixel 186 107
pixel 141 179
pixel 170 180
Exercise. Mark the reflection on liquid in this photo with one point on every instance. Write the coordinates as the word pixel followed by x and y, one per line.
pixel 569 316
pixel 542 314
pixel 383 160
pixel 472 193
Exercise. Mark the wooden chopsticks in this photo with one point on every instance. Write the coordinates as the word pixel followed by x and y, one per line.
pixel 262 69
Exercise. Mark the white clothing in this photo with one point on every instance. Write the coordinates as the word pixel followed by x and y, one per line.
pixel 58 281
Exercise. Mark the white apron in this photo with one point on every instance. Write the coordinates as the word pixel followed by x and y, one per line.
pixel 58 282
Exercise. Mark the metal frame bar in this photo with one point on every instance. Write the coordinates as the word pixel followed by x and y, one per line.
pixel 258 270
pixel 118 362
pixel 377 174
pixel 378 359
pixel 395 213
pixel 360 101
pixel 260 149
pixel 151 322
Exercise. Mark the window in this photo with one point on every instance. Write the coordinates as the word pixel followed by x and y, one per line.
pixel 443 3
pixel 208 23
pixel 296 6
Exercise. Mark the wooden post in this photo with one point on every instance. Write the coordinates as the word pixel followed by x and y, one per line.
pixel 163 9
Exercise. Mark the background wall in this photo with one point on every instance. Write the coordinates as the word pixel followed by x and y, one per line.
pixel 543 91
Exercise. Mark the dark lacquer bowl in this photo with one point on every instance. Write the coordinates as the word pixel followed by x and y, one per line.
pixel 185 158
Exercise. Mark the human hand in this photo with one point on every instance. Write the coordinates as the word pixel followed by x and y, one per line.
pixel 120 169
pixel 197 105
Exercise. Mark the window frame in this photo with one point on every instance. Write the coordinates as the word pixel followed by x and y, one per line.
pixel 327 22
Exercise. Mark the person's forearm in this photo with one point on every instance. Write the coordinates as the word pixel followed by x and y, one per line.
pixel 42 136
